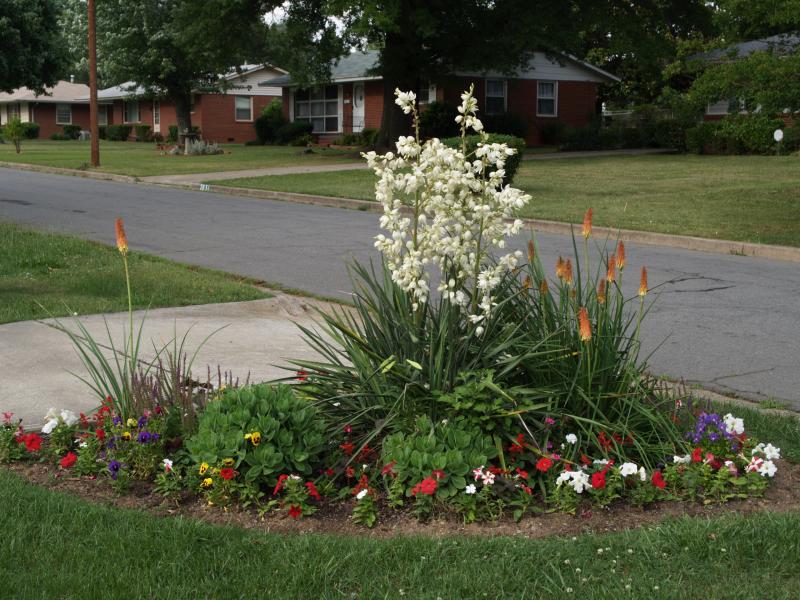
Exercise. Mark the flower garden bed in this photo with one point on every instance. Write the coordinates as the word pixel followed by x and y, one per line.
pixel 504 401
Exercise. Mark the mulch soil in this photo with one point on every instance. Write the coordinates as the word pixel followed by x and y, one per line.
pixel 333 517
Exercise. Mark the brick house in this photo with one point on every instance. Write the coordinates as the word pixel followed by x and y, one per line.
pixel 65 103
pixel 547 90
pixel 222 117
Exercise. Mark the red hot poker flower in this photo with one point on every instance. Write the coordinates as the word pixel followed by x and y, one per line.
pixel 302 375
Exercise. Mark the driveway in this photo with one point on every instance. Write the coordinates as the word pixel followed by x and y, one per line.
pixel 729 323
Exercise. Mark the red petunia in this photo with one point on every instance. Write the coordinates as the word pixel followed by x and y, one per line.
pixel 365 454
pixel 658 480
pixel 350 472
pixel 279 485
pixel 697 455
pixel 329 472
pixel 521 473
pixel 227 473
pixel 295 511
pixel 347 448
pixel 427 487
pixel 68 460
pixel 599 480
pixel 544 464
pixel 586 460
pixel 32 441
pixel 312 490
pixel 389 469
pixel 527 490
pixel 100 434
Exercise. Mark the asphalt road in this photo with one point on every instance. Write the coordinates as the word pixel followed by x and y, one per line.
pixel 729 323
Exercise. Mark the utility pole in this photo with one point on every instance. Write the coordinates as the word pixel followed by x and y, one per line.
pixel 95 141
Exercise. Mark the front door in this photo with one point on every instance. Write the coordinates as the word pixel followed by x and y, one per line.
pixel 358 107
pixel 156 116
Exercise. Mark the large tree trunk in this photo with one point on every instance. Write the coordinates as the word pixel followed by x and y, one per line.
pixel 399 70
pixel 183 115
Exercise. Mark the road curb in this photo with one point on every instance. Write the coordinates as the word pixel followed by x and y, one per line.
pixel 73 172
pixel 784 253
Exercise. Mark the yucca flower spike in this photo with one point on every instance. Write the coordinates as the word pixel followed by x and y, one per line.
pixel 122 239
pixel 621 255
pixel 643 283
pixel 584 325
pixel 587 223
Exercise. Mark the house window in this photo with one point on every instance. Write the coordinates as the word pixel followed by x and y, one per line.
pixel 244 108
pixel 63 114
pixel 131 111
pixel 546 98
pixel 495 96
pixel 102 114
pixel 320 107
pixel 426 94
pixel 13 111
pixel 156 112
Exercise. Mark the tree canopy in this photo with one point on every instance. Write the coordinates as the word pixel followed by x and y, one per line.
pixel 173 48
pixel 31 52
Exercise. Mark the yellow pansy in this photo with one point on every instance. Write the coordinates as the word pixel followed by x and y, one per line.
pixel 203 468
pixel 131 423
pixel 254 437
pixel 228 462
pixel 126 435
pixel 207 482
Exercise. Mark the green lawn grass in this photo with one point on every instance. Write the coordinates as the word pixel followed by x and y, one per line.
pixel 742 198
pixel 67 274
pixel 143 159
pixel 58 546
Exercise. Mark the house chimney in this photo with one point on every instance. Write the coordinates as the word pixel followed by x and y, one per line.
pixel 72 78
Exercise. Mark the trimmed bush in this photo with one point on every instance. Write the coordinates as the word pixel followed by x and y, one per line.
pixel 290 433
pixel 60 137
pixel 142 132
pixel 552 133
pixel 746 134
pixel 30 131
pixel 791 138
pixel 71 132
pixel 512 163
pixel 291 132
pixel 269 122
pixel 506 123
pixel 438 121
pixel 118 133
pixel 101 132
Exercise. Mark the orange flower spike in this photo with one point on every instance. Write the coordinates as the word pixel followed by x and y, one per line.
pixel 621 255
pixel 601 292
pixel 560 268
pixel 612 269
pixel 587 224
pixel 122 240
pixel 643 283
pixel 531 250
pixel 568 272
pixel 584 325
pixel 544 288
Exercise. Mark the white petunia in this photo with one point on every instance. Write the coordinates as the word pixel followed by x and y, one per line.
pixel 733 425
pixel 360 495
pixel 167 465
pixel 642 474
pixel 682 460
pixel 470 489
pixel 767 469
pixel 577 480
pixel 771 452
pixel 50 426
pixel 69 417
pixel 572 438
pixel 628 468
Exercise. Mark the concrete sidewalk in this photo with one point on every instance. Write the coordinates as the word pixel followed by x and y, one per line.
pixel 258 336
pixel 195 178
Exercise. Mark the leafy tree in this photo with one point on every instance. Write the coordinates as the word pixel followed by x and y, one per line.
pixel 173 48
pixel 30 44
pixel 14 131
pixel 743 20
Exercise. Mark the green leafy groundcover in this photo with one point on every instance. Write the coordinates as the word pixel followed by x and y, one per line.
pixel 57 546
